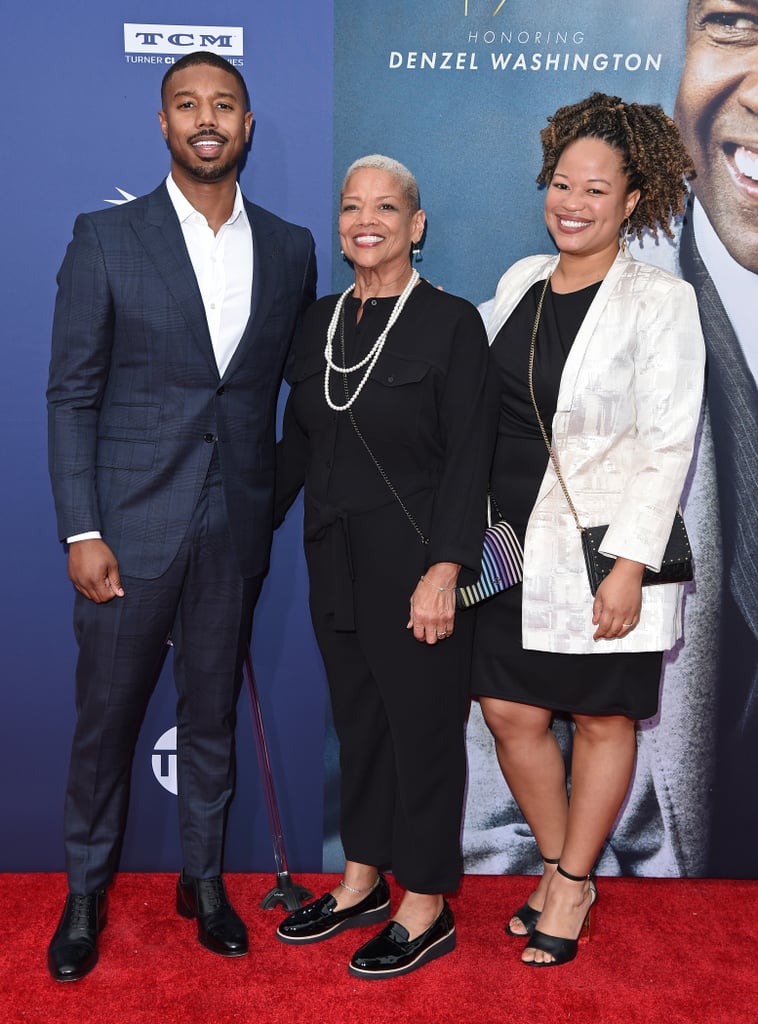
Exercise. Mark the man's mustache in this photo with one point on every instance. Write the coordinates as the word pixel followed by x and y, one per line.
pixel 207 134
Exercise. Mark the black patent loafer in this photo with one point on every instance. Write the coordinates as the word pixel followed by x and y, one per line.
pixel 391 953
pixel 73 949
pixel 219 928
pixel 319 920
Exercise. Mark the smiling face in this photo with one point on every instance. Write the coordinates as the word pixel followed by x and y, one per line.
pixel 588 200
pixel 205 123
pixel 717 114
pixel 376 226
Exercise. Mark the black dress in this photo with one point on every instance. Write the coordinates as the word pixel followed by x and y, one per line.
pixel 608 684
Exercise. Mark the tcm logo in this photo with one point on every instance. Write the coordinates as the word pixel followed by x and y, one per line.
pixel 164 760
pixel 173 39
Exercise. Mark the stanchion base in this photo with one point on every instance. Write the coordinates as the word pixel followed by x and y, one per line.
pixel 288 893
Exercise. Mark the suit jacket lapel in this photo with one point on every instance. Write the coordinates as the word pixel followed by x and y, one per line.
pixel 265 266
pixel 161 235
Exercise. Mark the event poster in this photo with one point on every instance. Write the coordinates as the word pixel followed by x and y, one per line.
pixel 458 90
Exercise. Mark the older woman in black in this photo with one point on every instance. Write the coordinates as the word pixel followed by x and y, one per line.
pixel 386 426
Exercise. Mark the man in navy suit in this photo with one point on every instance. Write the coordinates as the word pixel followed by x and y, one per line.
pixel 172 326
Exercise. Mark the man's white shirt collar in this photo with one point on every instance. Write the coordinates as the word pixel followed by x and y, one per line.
pixel 184 208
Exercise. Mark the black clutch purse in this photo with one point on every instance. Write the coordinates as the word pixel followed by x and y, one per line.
pixel 676 566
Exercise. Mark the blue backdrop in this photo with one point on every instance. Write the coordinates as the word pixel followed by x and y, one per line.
pixel 89 129
pixel 458 90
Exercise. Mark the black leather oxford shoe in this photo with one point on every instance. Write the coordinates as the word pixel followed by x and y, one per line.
pixel 73 950
pixel 391 953
pixel 319 920
pixel 219 928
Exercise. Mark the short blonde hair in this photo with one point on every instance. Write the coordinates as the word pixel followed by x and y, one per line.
pixel 399 172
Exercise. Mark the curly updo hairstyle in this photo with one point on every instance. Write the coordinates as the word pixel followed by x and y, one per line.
pixel 654 159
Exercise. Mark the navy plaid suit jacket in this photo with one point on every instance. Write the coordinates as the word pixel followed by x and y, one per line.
pixel 136 404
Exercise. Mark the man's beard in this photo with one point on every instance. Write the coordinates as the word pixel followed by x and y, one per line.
pixel 210 171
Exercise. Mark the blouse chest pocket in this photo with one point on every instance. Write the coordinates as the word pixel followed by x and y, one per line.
pixel 394 372
pixel 397 401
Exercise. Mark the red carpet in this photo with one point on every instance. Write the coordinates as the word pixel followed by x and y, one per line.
pixel 663 951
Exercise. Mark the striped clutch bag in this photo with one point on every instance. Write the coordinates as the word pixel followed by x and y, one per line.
pixel 502 566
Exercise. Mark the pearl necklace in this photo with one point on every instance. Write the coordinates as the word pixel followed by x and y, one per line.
pixel 374 352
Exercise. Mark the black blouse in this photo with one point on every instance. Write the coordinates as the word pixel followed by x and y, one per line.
pixel 427 413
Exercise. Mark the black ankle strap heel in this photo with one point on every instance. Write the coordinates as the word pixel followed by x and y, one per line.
pixel 561 949
pixel 572 878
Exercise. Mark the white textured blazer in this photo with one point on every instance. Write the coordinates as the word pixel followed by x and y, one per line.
pixel 623 432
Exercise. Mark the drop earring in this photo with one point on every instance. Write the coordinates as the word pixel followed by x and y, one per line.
pixel 625 230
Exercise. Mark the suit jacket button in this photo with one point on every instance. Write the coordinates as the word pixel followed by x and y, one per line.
pixel 220 391
pixel 209 438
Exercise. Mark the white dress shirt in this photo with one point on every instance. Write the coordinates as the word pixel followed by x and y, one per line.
pixel 223 265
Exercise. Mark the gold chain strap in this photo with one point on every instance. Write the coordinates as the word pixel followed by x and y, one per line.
pixel 545 438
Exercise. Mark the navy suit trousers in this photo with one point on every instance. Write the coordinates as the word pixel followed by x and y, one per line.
pixel 205 606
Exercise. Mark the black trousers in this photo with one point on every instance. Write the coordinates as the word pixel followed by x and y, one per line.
pixel 399 709
pixel 206 607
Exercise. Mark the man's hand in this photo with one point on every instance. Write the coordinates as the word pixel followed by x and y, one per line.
pixel 93 569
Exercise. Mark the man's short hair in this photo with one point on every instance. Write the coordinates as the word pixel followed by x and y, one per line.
pixel 200 57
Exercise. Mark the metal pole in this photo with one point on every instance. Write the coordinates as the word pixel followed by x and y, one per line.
pixel 286 891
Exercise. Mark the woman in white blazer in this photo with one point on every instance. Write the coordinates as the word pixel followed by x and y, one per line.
pixel 618 374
